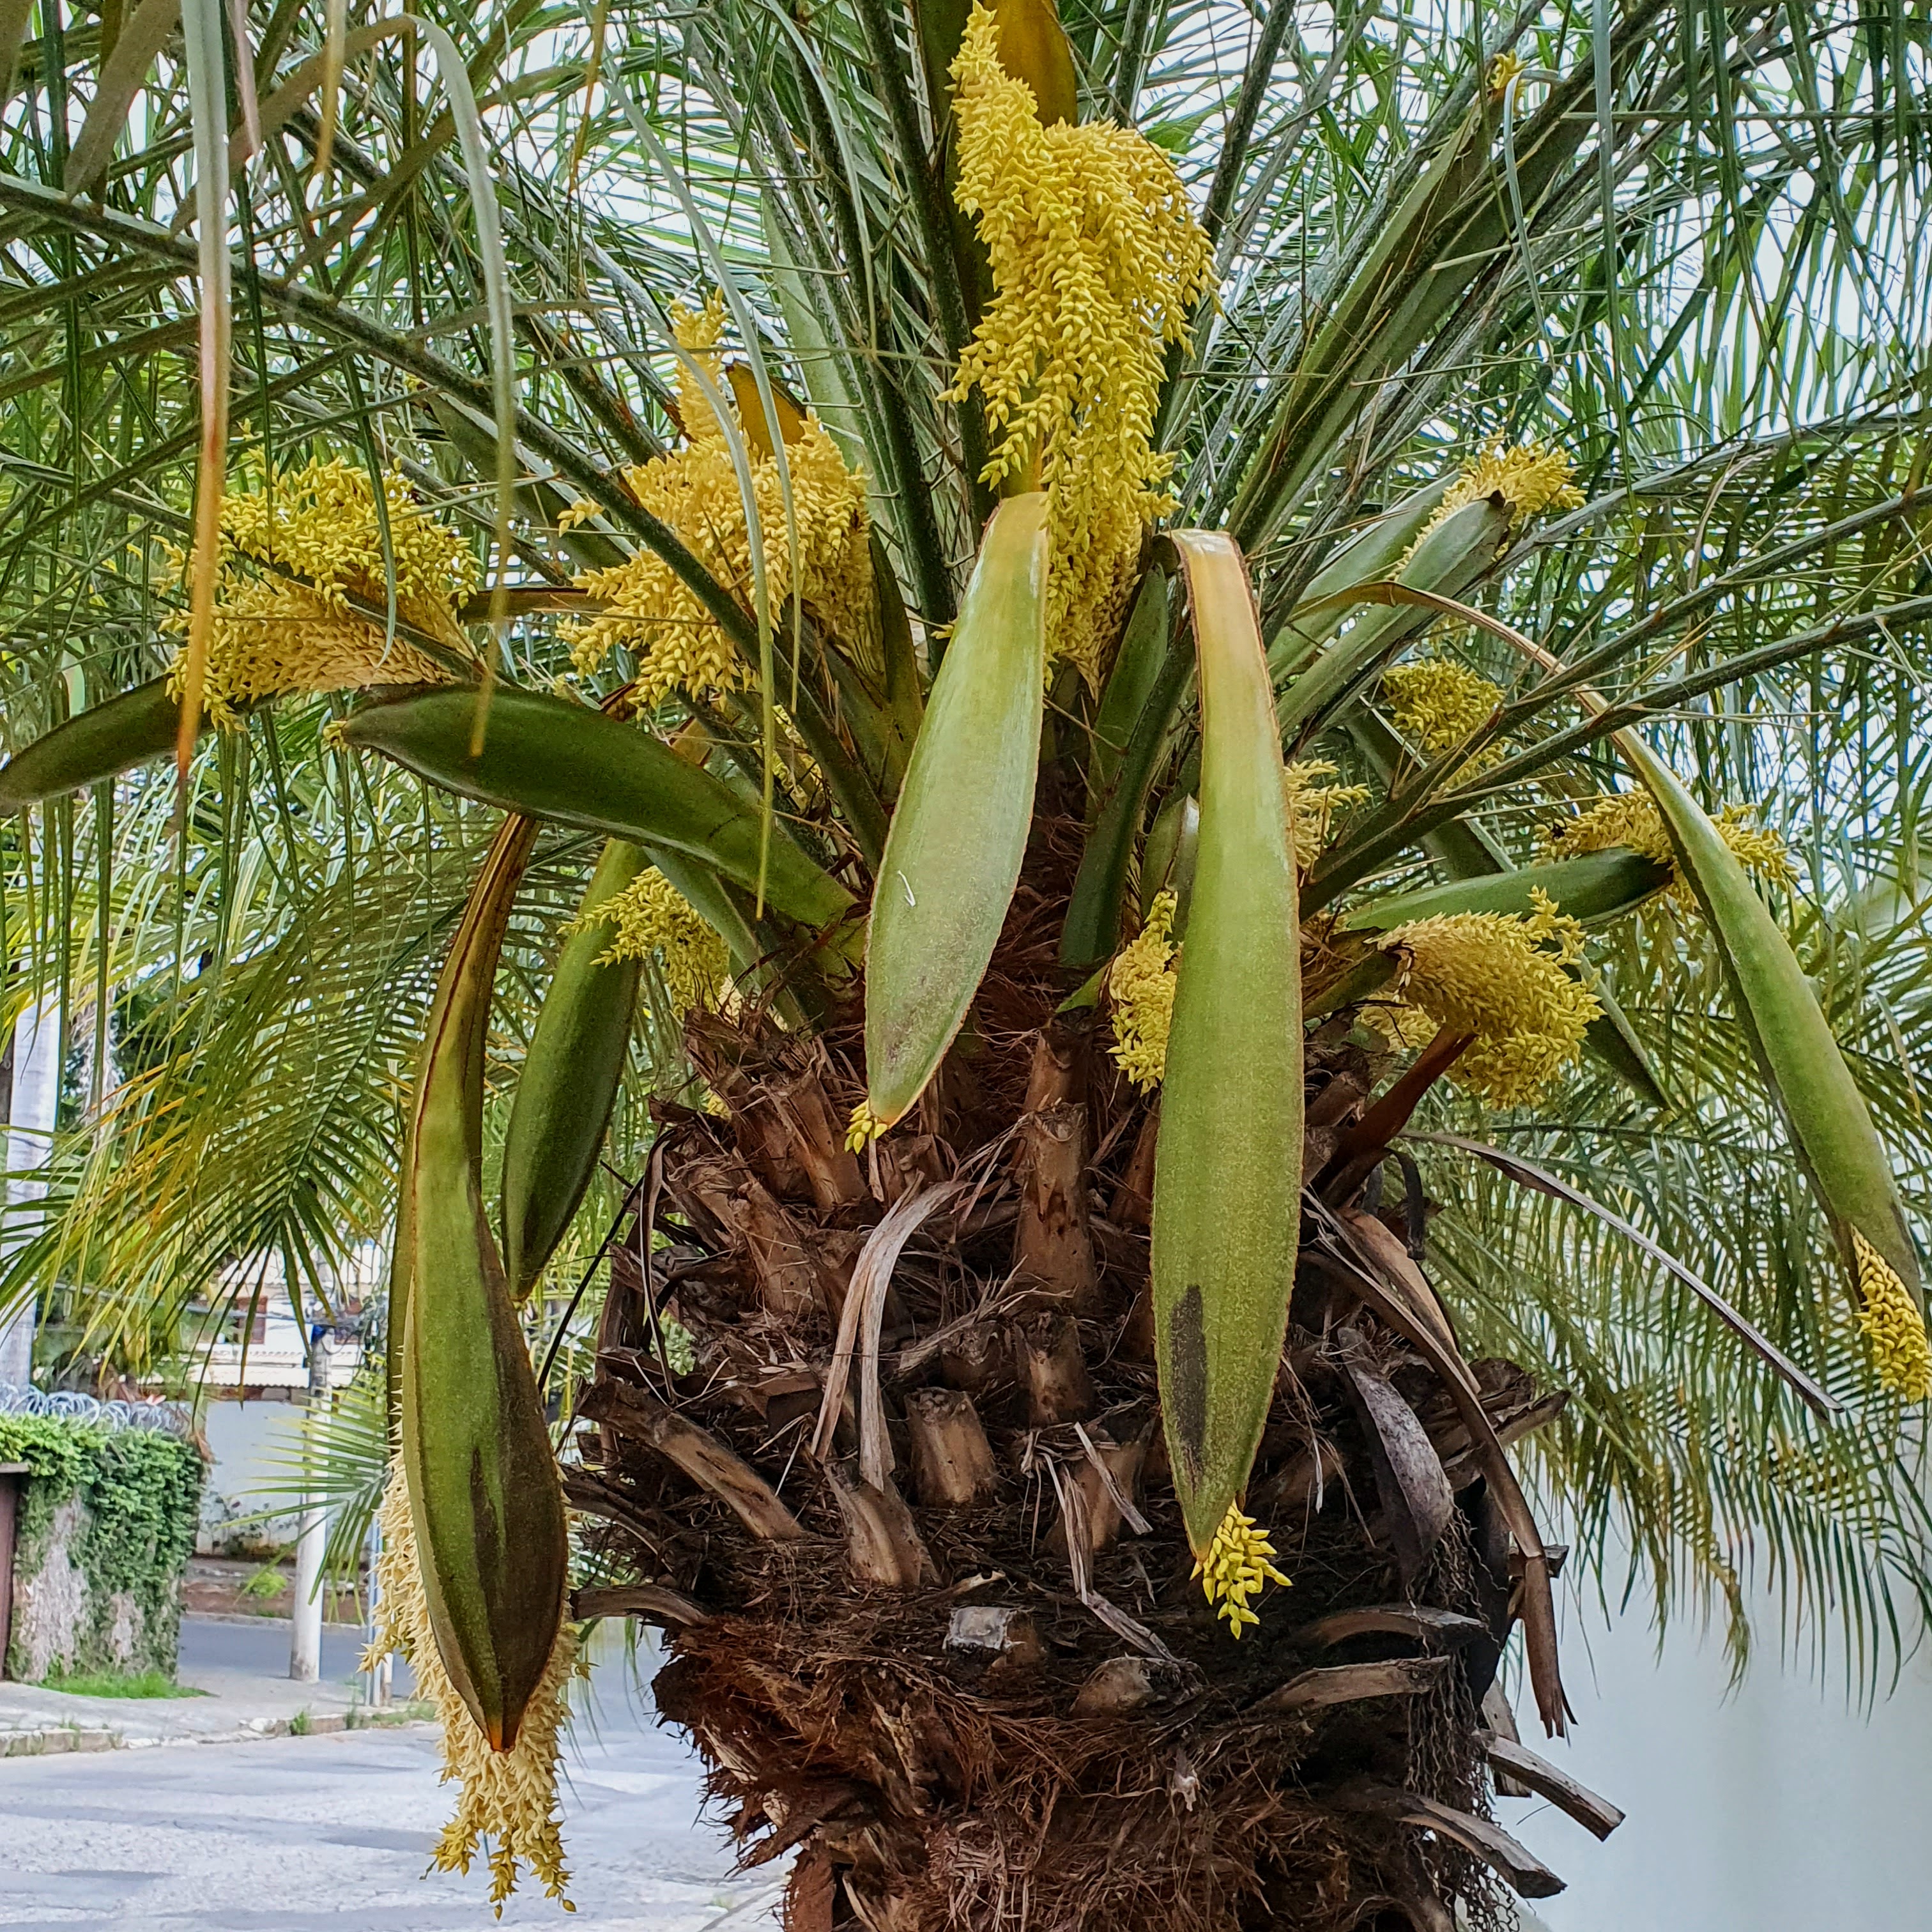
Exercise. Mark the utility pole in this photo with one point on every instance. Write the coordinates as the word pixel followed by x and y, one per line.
pixel 305 1642
pixel 28 1111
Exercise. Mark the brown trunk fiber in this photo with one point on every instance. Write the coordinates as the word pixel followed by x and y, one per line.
pixel 974 1687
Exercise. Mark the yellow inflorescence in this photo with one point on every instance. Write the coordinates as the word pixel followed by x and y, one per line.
pixel 677 643
pixel 1501 978
pixel 273 635
pixel 1236 1566
pixel 1437 703
pixel 1140 990
pixel 1311 804
pixel 1889 1313
pixel 650 916
pixel 1503 72
pixel 862 1129
pixel 509 1796
pixel 697 332
pixel 1631 818
pixel 1530 478
pixel 1097 263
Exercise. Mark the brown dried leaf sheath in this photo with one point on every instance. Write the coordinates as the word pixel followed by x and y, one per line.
pixel 949 1400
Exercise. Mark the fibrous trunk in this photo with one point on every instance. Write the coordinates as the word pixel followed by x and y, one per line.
pixel 909 1528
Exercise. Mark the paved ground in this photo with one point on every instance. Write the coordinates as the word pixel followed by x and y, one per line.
pixel 332 1834
pixel 242 1663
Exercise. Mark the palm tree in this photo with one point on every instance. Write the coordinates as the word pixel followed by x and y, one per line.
pixel 1142 640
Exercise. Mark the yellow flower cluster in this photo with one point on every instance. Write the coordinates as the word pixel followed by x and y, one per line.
pixel 1631 818
pixel 1529 478
pixel 1140 990
pixel 1437 703
pixel 1889 1313
pixel 1236 1566
pixel 651 916
pixel 862 1129
pixel 677 644
pixel 1097 263
pixel 274 635
pixel 510 1796
pixel 1311 804
pixel 1501 978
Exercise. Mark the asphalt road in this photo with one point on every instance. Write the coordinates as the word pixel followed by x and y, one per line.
pixel 263 1647
pixel 332 1833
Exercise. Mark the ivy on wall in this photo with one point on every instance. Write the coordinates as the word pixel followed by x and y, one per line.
pixel 140 1495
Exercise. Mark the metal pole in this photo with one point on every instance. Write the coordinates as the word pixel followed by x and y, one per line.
pixel 380 1667
pixel 305 1641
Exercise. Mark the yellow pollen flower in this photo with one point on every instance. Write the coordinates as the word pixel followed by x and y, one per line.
pixel 273 635
pixel 1889 1314
pixel 1631 819
pixel 677 643
pixel 1097 264
pixel 1501 978
pixel 696 332
pixel 862 1129
pixel 1311 804
pixel 1437 703
pixel 1529 478
pixel 1503 72
pixel 510 1796
pixel 1140 990
pixel 1236 1566
pixel 651 917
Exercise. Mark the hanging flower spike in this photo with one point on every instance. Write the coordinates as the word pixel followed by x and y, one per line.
pixel 1097 264
pixel 1235 1567
pixel 1530 478
pixel 509 1796
pixel 1501 978
pixel 678 645
pixel 1890 1316
pixel 273 636
pixel 1311 804
pixel 1140 990
pixel 1437 703
pixel 1631 818
pixel 650 916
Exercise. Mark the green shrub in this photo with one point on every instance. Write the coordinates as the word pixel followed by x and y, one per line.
pixel 141 1491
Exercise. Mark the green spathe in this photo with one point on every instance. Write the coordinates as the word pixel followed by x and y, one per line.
pixel 952 856
pixel 483 1483
pixel 100 742
pixel 1228 1171
pixel 1831 1125
pixel 569 765
pixel 569 1081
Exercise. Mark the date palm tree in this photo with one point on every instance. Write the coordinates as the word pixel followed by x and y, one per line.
pixel 1154 771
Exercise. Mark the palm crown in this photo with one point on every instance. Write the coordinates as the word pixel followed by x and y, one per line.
pixel 1351 570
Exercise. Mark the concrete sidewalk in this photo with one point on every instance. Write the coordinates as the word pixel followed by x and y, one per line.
pixel 334 1833
pixel 240 1664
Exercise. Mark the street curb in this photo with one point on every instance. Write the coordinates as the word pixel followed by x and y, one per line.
pixel 250 1620
pixel 64 1738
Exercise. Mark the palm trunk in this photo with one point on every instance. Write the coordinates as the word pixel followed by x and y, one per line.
pixel 909 1525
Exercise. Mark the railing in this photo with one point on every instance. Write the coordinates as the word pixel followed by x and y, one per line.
pixel 70 1406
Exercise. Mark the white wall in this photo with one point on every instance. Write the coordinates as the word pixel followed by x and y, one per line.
pixel 249 1441
pixel 1774 1808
